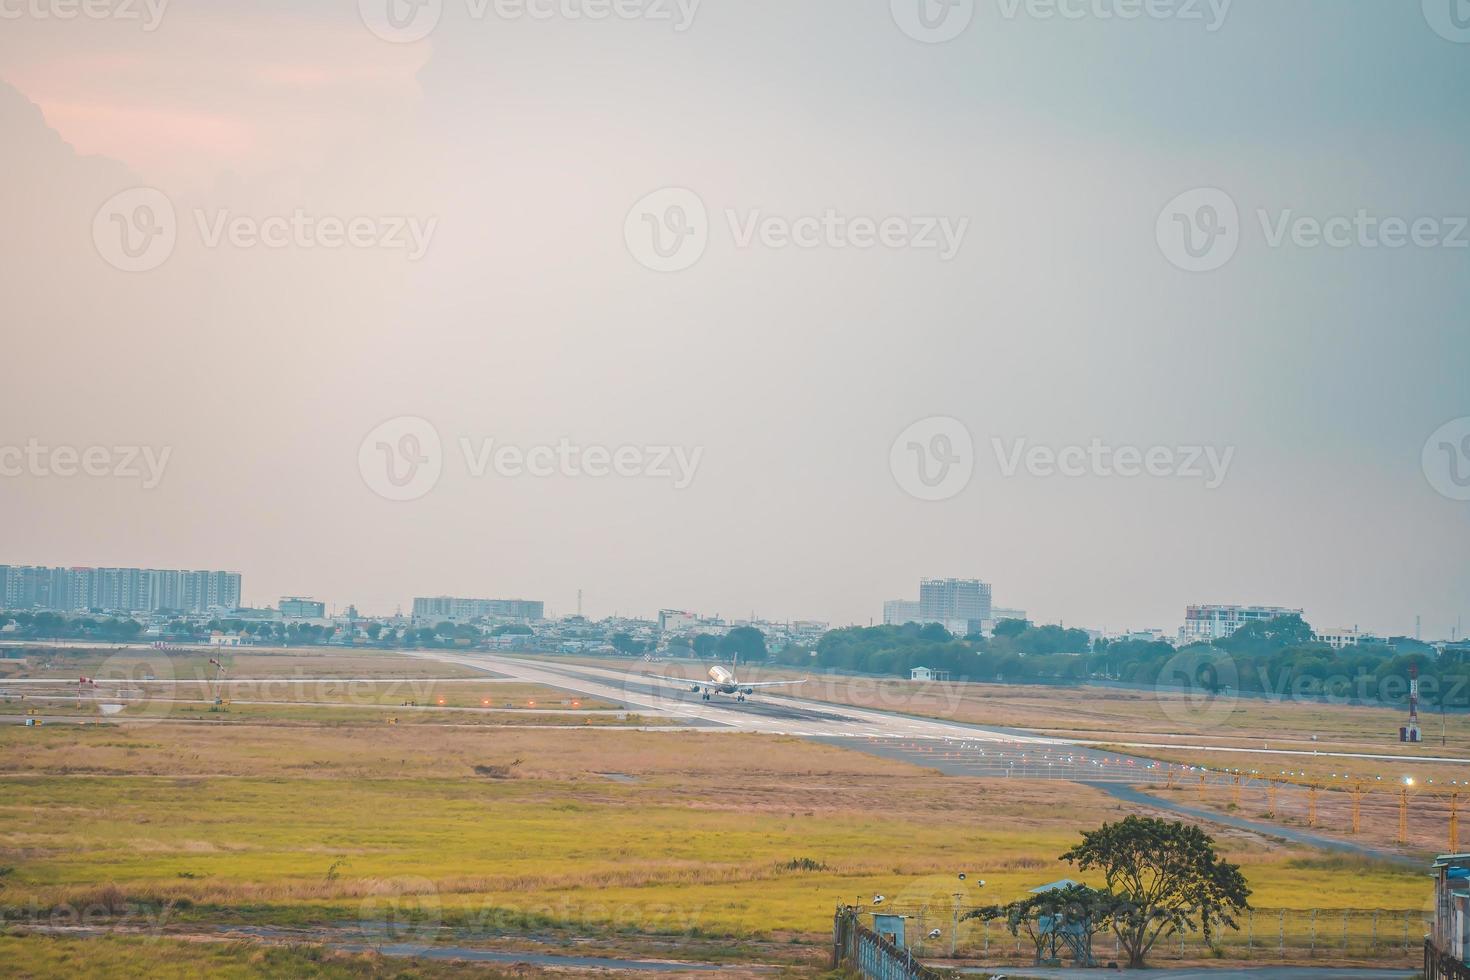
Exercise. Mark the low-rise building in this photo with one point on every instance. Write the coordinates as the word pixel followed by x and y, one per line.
pixel 298 607
pixel 1338 637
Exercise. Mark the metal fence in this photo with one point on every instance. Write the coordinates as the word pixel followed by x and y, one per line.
pixel 1442 966
pixel 861 949
pixel 1270 935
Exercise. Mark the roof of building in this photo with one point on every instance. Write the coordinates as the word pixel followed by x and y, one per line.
pixel 1055 886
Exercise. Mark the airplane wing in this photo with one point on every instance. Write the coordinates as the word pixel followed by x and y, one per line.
pixel 679 681
pixel 744 684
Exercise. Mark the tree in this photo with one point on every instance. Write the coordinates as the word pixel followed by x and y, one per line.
pixel 706 646
pixel 625 644
pixel 1166 877
pixel 1061 917
pixel 934 633
pixel 1011 627
pixel 743 643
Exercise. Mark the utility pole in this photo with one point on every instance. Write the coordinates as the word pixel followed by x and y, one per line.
pixel 1404 811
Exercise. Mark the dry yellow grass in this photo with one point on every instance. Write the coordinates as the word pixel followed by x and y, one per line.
pixel 304 823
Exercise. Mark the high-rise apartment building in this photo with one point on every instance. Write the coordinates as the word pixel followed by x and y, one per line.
pixel 953 599
pixel 960 605
pixel 117 589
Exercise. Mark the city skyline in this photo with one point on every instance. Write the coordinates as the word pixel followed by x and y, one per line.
pixel 418 606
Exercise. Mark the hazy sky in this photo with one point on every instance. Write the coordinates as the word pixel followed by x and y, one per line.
pixel 502 285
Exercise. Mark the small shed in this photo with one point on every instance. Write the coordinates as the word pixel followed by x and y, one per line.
pixel 890 927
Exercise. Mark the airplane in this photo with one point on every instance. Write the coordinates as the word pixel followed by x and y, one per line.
pixel 723 681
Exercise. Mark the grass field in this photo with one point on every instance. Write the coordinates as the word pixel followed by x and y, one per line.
pixel 289 686
pixel 1429 804
pixel 67 663
pixel 137 958
pixel 294 827
pixel 711 841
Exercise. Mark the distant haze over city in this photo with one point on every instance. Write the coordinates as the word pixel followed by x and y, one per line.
pixel 938 331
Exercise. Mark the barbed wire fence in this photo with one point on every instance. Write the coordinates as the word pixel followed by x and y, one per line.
pixel 1274 935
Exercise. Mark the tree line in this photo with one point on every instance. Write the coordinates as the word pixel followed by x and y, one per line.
pixel 1276 658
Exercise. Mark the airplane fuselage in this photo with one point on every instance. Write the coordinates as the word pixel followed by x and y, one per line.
pixel 723 681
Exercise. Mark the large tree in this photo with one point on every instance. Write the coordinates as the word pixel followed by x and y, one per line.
pixel 1167 877
pixel 743 643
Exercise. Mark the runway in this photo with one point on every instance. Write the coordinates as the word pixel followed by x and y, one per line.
pixel 765 713
pixel 949 747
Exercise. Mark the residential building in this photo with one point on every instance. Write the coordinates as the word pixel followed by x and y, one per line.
pixel 439 608
pixel 117 589
pixel 297 607
pixel 1210 622
pixel 1338 637
pixel 896 612
pixel 945 600
pixel 676 621
pixel 961 606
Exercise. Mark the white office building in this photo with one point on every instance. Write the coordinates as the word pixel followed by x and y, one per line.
pixel 1207 623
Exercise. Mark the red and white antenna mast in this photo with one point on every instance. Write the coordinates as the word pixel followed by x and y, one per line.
pixel 1410 732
